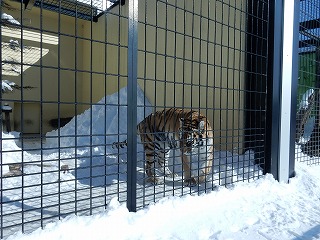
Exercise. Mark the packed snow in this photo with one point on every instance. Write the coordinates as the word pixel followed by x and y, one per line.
pixel 9 18
pixel 259 208
pixel 263 209
pixel 7 85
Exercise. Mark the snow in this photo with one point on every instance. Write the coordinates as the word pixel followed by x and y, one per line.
pixel 259 208
pixel 7 85
pixel 102 121
pixel 305 102
pixel 9 18
pixel 101 5
pixel 263 209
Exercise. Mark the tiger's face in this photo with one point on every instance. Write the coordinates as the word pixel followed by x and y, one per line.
pixel 192 136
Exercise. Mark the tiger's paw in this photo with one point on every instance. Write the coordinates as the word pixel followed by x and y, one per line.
pixel 153 180
pixel 201 179
pixel 190 182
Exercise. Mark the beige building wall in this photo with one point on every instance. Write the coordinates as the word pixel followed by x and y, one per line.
pixel 56 81
pixel 192 57
pixel 106 55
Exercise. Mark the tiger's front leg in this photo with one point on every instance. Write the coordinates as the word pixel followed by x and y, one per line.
pixel 206 168
pixel 188 180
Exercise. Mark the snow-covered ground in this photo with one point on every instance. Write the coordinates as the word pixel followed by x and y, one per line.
pixel 260 209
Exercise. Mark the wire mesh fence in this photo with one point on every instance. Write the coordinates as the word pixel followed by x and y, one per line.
pixel 194 57
pixel 199 100
pixel 56 70
pixel 307 130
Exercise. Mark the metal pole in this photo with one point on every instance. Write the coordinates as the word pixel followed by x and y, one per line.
pixel 294 89
pixel 274 85
pixel 1 166
pixel 288 100
pixel 132 104
pixel 281 141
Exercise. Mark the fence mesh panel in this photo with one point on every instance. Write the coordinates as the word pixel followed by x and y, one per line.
pixel 64 103
pixel 307 133
pixel 209 57
pixel 61 77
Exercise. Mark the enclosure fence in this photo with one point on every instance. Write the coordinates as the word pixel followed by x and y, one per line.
pixel 307 132
pixel 134 101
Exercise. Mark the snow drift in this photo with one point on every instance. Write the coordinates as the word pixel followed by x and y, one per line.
pixel 263 209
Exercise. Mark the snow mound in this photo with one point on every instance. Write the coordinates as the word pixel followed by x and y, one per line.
pixel 101 124
pixel 263 209
pixel 9 18
pixel 7 85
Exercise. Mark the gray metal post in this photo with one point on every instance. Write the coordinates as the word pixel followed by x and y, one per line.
pixel 294 93
pixel 289 76
pixel 132 104
pixel 281 142
pixel 272 144
pixel 1 181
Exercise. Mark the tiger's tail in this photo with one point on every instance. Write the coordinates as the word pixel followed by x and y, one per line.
pixel 119 145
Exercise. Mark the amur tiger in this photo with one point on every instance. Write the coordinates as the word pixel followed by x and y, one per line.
pixel 173 128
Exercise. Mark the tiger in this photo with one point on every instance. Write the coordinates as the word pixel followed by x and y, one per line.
pixel 175 128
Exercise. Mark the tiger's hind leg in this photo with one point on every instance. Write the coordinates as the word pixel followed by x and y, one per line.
pixel 150 169
pixel 163 165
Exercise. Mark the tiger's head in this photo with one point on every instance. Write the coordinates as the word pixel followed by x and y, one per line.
pixel 193 135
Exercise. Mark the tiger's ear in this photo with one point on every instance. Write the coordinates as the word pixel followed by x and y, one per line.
pixel 201 126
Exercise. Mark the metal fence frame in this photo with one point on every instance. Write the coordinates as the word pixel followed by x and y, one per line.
pixel 277 150
pixel 283 48
pixel 307 141
pixel 132 104
pixel 284 89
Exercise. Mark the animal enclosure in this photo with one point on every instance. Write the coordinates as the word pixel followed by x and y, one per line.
pixel 79 76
